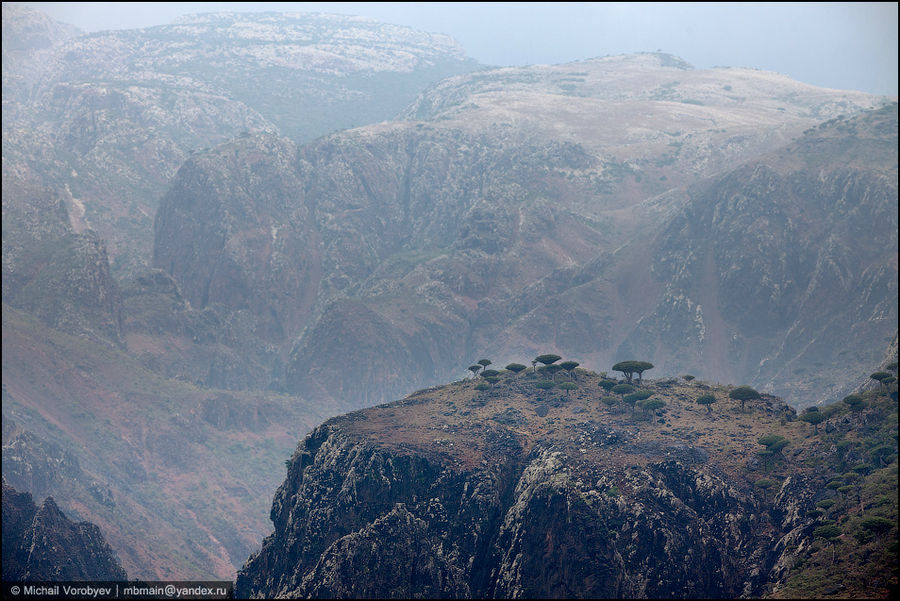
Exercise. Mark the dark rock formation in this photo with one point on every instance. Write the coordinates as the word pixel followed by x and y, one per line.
pixel 431 497
pixel 41 544
pixel 353 520
pixel 375 506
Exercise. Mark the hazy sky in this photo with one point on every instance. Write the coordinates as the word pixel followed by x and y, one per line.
pixel 836 45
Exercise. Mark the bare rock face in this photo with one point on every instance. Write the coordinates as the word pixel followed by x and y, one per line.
pixel 415 244
pixel 231 231
pixel 755 254
pixel 522 529
pixel 35 465
pixel 109 117
pixel 52 270
pixel 41 544
pixel 387 507
pixel 467 493
pixel 478 510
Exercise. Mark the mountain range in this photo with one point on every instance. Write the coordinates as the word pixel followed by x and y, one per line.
pixel 219 232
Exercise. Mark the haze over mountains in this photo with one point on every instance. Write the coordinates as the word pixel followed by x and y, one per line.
pixel 221 231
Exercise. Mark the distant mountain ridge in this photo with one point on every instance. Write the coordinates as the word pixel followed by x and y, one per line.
pixel 110 116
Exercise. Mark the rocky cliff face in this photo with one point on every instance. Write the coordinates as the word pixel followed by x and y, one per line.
pixel 750 263
pixel 54 271
pixel 419 243
pixel 458 493
pixel 41 544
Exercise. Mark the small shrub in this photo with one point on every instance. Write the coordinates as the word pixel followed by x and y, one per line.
pixel 607 384
pixel 863 536
pixel 622 389
pixel 568 386
pixel 706 400
pixel 829 532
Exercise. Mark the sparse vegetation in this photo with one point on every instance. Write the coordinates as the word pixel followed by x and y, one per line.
pixel 855 402
pixel 830 533
pixel 552 370
pixel 764 483
pixel 622 389
pixel 774 444
pixel 649 405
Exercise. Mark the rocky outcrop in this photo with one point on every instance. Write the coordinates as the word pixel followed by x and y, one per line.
pixel 312 253
pixel 52 270
pixel 42 544
pixel 37 466
pixel 400 501
pixel 231 229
